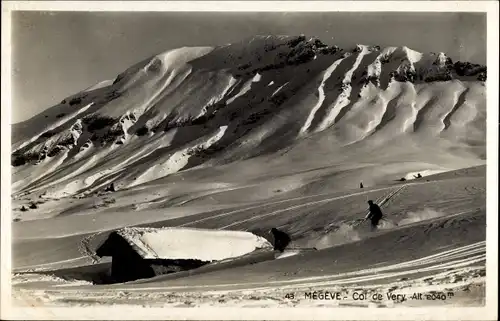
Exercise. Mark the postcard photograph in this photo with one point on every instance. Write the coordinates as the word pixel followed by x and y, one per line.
pixel 260 159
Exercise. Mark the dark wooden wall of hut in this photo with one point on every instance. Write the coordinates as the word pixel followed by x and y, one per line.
pixel 128 265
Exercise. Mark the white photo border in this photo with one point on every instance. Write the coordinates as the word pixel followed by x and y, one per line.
pixel 428 313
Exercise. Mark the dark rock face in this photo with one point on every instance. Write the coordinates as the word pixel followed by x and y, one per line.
pixel 67 141
pixel 481 76
pixel 155 65
pixel 445 76
pixel 77 100
pixel 54 151
pixel 405 76
pixel 469 69
pixel 300 51
pixel 357 49
pixel 112 134
pixel 278 99
pixel 113 95
pixel 95 122
pixel 294 42
pixel 87 144
pixel 304 51
pixel 142 131
pixel 329 50
pixel 22 159
pixel 370 79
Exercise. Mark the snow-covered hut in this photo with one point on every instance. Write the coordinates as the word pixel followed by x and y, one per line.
pixel 146 252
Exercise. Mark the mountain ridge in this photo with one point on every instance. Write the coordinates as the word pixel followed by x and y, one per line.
pixel 198 107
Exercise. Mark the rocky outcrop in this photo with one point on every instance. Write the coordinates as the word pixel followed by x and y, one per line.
pixel 19 159
pixel 299 51
pixel 96 122
pixel 469 69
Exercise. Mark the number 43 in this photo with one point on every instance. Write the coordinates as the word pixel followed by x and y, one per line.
pixel 290 296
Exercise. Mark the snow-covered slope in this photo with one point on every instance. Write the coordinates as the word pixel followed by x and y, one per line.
pixel 268 132
pixel 228 142
pixel 268 97
pixel 434 244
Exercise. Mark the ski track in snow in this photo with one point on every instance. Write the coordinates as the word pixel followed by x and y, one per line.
pixel 310 203
pixel 50 265
pixel 443 272
pixel 384 199
pixel 450 259
pixel 288 200
pixel 86 250
pixel 449 264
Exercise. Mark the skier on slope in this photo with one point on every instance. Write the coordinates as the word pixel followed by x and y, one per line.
pixel 281 239
pixel 375 214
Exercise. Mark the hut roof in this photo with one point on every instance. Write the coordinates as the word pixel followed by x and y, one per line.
pixel 191 243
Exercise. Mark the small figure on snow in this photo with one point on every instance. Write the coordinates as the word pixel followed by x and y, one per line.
pixel 418 176
pixel 281 239
pixel 361 185
pixel 375 214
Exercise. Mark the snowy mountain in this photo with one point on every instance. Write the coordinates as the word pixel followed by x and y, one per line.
pixel 182 152
pixel 270 105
